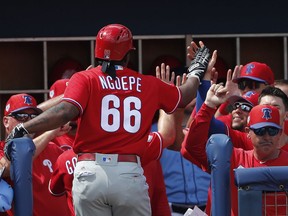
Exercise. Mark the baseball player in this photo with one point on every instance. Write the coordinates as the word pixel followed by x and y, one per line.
pixel 264 130
pixel 115 107
pixel 66 140
pixel 21 108
pixel 254 76
pixel 61 179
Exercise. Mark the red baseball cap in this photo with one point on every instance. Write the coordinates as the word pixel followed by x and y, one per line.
pixel 256 71
pixel 262 116
pixel 58 87
pixel 250 97
pixel 19 102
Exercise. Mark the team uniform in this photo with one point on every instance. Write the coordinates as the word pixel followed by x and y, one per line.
pixel 125 107
pixel 194 149
pixel 62 177
pixel 43 167
pixel 65 141
pixel 42 170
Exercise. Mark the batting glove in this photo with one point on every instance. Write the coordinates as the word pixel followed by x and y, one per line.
pixel 17 132
pixel 199 64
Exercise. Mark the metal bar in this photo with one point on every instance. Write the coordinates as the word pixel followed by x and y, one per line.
pixel 24 91
pixel 45 67
pixel 92 55
pixel 285 55
pixel 140 57
pixel 238 51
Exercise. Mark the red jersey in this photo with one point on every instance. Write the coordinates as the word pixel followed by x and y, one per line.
pixel 226 119
pixel 157 188
pixel 62 177
pixel 2 144
pixel 246 159
pixel 200 128
pixel 194 149
pixel 65 141
pixel 116 115
pixel 44 203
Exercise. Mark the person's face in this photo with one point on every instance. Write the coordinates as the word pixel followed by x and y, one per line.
pixel 246 85
pixel 240 114
pixel 277 102
pixel 11 121
pixel 265 146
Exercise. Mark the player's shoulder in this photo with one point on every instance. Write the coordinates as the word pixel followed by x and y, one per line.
pixel 284 154
pixel 67 155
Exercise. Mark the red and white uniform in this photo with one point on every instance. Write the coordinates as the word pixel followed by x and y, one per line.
pixel 62 176
pixel 43 167
pixel 200 125
pixel 44 203
pixel 123 107
pixel 65 141
pixel 194 150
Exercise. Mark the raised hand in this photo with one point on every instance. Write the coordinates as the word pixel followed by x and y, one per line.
pixel 200 63
pixel 163 73
pixel 216 95
pixel 230 85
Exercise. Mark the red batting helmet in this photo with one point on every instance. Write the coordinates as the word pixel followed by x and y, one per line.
pixel 113 42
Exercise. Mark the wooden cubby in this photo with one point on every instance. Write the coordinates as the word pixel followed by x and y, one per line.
pixel 26 63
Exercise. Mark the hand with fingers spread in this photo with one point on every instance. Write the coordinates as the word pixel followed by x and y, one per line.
pixel 231 86
pixel 211 73
pixel 200 62
pixel 163 73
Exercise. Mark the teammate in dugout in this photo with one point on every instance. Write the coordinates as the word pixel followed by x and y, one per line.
pixel 264 130
pixel 21 108
pixel 115 107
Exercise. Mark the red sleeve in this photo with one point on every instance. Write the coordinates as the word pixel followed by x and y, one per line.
pixel 153 150
pixel 195 140
pixel 157 189
pixel 239 139
pixel 2 143
pixel 62 176
pixel 223 108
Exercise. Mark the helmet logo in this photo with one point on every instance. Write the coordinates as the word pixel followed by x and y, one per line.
pixel 106 54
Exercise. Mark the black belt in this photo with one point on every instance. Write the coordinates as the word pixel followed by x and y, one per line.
pixel 182 208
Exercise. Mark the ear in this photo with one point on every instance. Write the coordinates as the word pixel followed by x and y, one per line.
pixel 286 116
pixel 247 130
pixel 5 122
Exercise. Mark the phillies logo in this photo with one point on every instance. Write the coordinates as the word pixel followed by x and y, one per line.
pixel 27 100
pixel 249 94
pixel 106 54
pixel 266 113
pixel 249 68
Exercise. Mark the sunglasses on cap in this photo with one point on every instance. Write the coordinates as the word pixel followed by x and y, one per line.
pixel 251 84
pixel 243 106
pixel 22 117
pixel 272 131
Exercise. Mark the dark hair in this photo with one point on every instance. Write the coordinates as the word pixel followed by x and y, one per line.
pixel 281 82
pixel 274 91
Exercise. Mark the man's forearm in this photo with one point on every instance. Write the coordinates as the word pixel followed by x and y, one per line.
pixel 52 118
